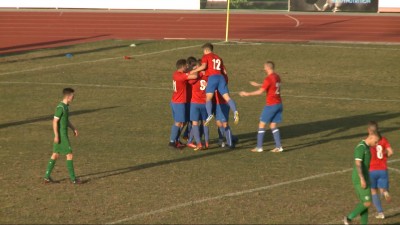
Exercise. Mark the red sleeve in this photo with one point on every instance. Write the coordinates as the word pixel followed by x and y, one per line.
pixel 181 77
pixel 266 84
pixel 386 144
pixel 204 59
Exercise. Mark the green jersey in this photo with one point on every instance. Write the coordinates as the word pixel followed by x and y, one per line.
pixel 363 154
pixel 61 113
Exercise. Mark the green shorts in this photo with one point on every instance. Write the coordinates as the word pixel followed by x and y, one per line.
pixel 63 148
pixel 363 194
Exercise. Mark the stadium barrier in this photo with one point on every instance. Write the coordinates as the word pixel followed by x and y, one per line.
pixel 389 6
pixel 334 5
pixel 103 4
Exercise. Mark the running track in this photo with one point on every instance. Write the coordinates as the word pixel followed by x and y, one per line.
pixel 21 31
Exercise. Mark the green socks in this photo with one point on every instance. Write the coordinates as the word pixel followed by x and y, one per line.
pixel 50 166
pixel 70 166
pixel 364 217
pixel 359 210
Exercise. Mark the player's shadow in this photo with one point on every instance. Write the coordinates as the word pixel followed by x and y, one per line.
pixel 49 117
pixel 99 175
pixel 34 46
pixel 333 126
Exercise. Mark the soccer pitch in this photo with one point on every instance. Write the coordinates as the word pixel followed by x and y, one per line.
pixel 330 92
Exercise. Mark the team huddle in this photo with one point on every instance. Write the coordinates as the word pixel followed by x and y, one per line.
pixel 200 93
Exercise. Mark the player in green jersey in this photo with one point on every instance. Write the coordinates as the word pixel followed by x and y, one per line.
pixel 61 143
pixel 360 177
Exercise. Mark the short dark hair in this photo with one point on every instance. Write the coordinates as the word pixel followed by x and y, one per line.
pixel 208 46
pixel 180 63
pixel 191 61
pixel 374 128
pixel 271 64
pixel 68 91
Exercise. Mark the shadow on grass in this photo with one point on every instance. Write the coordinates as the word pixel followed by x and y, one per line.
pixel 50 117
pixel 33 46
pixel 116 172
pixel 335 126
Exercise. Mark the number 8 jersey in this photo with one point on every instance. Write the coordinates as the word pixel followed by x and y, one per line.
pixel 379 155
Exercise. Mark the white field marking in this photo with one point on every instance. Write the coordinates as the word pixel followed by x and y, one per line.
pixel 239 43
pixel 344 98
pixel 98 60
pixel 233 194
pixel 295 19
pixel 160 88
pixel 394 169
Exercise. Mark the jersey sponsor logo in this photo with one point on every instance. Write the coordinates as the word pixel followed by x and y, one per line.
pixel 367 198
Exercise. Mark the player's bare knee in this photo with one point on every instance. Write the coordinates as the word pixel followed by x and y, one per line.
pixel 367 204
pixel 69 156
pixel 374 191
pixel 261 125
pixel 273 125
pixel 55 156
pixel 195 123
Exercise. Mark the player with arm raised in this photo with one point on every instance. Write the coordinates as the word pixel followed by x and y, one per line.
pixel 213 66
pixel 360 177
pixel 378 169
pixel 178 102
pixel 272 113
pixel 61 145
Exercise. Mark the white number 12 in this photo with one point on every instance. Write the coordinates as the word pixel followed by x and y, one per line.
pixel 217 64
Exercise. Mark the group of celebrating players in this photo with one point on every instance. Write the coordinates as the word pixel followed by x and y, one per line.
pixel 200 93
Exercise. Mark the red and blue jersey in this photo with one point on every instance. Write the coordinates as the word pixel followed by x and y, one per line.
pixel 198 87
pixel 271 85
pixel 379 155
pixel 179 82
pixel 215 66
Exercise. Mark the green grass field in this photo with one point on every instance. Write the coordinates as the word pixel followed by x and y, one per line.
pixel 121 109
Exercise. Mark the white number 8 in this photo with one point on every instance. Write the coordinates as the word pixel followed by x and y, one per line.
pixel 379 152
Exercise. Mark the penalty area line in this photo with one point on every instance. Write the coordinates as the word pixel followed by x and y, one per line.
pixel 233 194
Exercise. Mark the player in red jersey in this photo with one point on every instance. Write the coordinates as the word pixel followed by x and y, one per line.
pixel 178 102
pixel 222 118
pixel 378 169
pixel 198 110
pixel 191 62
pixel 272 113
pixel 213 65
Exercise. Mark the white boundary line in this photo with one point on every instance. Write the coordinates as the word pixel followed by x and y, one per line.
pixel 161 88
pixel 394 169
pixel 295 19
pixel 233 194
pixel 99 60
pixel 180 48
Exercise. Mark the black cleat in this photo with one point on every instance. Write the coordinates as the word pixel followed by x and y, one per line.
pixel 172 145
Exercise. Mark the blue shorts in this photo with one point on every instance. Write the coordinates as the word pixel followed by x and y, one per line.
pixel 379 179
pixel 198 112
pixel 179 112
pixel 187 112
pixel 272 114
pixel 222 113
pixel 217 82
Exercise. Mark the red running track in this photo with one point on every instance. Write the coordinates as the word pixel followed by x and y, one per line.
pixel 21 31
